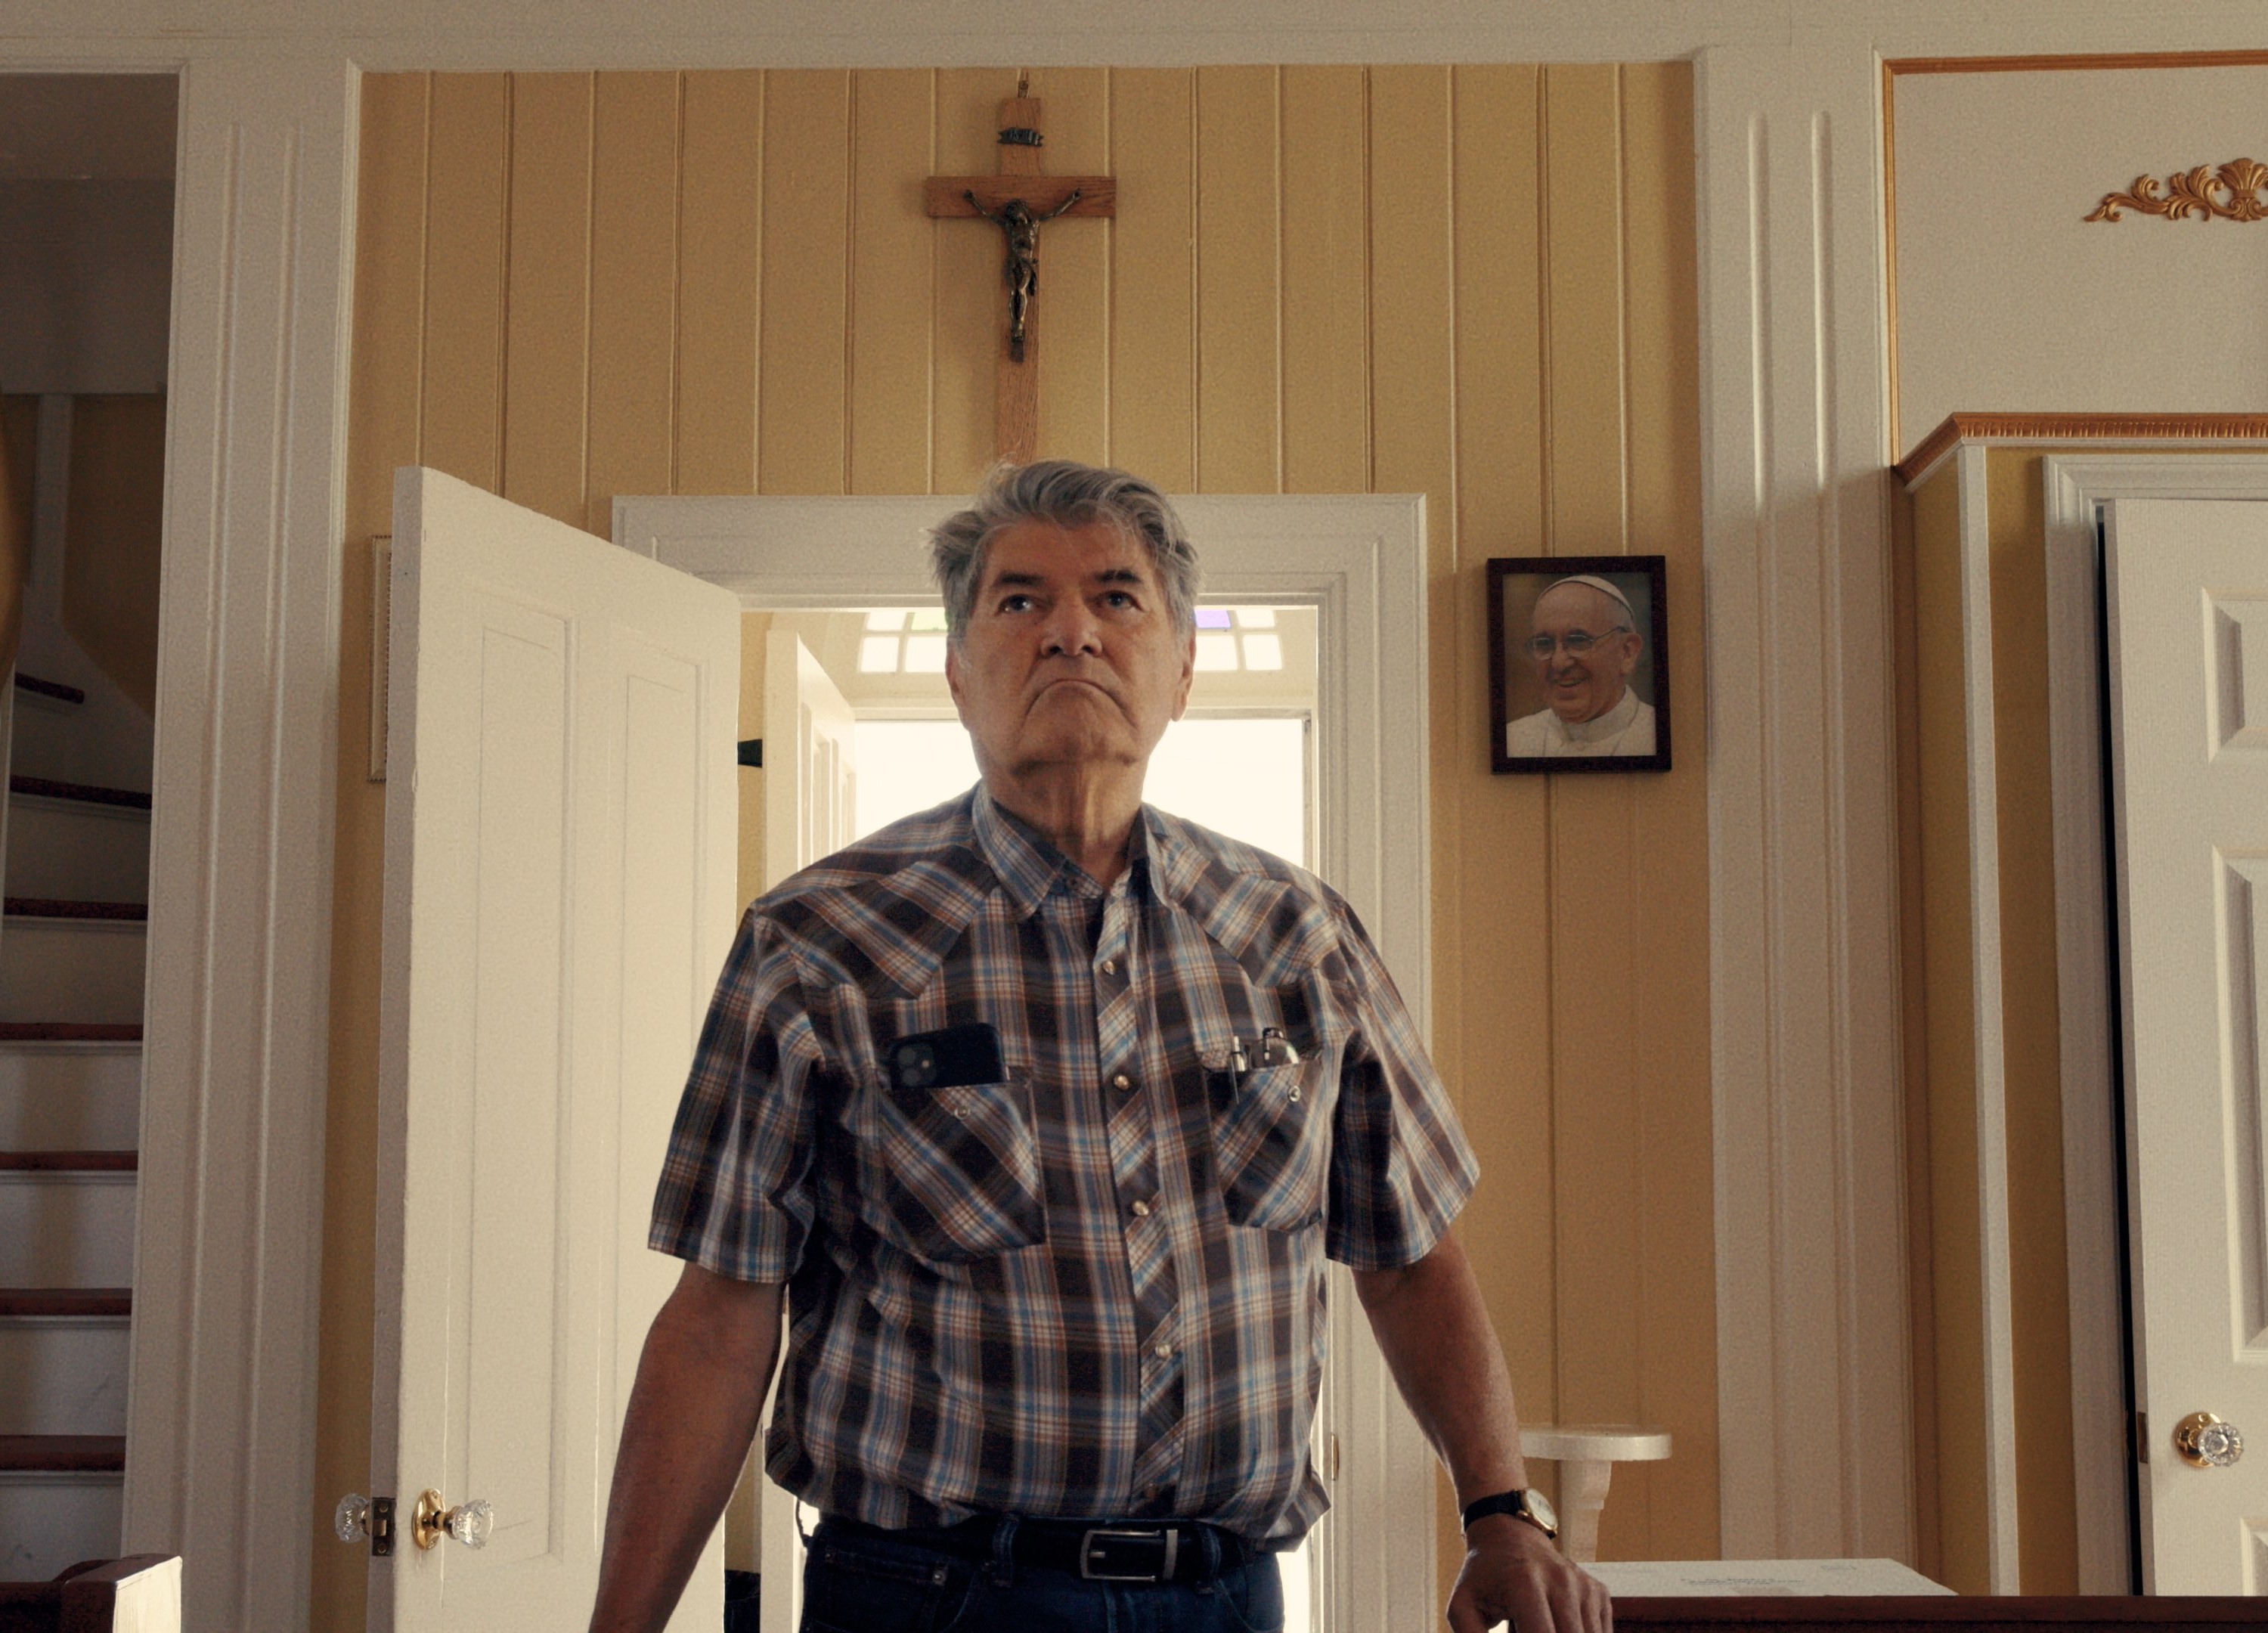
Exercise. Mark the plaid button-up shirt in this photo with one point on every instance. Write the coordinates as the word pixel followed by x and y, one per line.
pixel 1093 1289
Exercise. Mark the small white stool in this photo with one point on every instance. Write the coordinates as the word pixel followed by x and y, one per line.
pixel 1586 1455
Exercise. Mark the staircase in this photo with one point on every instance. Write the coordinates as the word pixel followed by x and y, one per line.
pixel 71 958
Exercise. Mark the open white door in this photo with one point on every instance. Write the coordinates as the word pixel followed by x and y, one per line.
pixel 811 810
pixel 559 883
pixel 811 779
pixel 2188 599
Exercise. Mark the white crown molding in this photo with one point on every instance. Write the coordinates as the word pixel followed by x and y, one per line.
pixel 221 1416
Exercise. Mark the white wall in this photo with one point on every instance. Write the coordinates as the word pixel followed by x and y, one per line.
pixel 2009 301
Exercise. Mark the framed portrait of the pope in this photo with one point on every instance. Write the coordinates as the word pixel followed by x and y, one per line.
pixel 1578 664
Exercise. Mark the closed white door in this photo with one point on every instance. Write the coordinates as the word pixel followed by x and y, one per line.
pixel 559 882
pixel 810 777
pixel 2188 599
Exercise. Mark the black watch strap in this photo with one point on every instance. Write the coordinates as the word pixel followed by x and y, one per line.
pixel 1514 1503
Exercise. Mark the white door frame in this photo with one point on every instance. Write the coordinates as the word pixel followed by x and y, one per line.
pixel 2075 487
pixel 1360 560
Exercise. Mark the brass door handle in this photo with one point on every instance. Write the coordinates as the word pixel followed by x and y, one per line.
pixel 2206 1442
pixel 470 1523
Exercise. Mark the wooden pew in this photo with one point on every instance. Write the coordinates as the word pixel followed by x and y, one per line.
pixel 1945 1613
pixel 141 1593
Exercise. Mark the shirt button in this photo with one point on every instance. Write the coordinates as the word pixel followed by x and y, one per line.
pixel 1121 1083
pixel 1163 1352
pixel 1110 966
pixel 1141 1210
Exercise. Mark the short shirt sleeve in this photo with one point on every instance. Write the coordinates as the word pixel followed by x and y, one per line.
pixel 736 1196
pixel 1401 1167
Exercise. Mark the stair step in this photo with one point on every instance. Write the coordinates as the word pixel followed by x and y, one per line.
pixel 70 1094
pixel 85 793
pixel 88 970
pixel 65 1362
pixel 62 1454
pixel 50 1522
pixel 55 689
pixel 67 1226
pixel 74 850
pixel 48 906
pixel 69 1032
pixel 57 1301
pixel 70 1162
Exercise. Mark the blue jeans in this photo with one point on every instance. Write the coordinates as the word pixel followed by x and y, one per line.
pixel 855 1582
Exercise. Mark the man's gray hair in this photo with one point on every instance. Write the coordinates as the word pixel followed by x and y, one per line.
pixel 1068 495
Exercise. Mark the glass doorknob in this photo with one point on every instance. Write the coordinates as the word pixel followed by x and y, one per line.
pixel 2206 1442
pixel 351 1518
pixel 470 1523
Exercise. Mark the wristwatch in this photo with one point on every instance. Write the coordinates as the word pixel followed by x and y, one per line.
pixel 1524 1503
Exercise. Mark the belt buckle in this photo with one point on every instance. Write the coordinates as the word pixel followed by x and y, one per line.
pixel 1168 1538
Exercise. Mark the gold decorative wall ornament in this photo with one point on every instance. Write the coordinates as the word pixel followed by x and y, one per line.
pixel 2233 193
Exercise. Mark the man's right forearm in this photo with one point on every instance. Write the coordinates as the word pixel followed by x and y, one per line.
pixel 693 1411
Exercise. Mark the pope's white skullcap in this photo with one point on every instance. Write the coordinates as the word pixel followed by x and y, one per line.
pixel 1593 581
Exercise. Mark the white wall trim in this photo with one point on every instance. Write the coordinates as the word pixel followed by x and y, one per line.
pixel 221 1421
pixel 2002 1559
pixel 1360 560
pixel 1814 1413
pixel 2075 486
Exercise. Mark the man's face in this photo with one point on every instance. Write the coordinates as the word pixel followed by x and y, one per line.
pixel 1070 655
pixel 1582 687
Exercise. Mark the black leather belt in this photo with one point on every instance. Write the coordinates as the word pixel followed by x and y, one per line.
pixel 1186 1550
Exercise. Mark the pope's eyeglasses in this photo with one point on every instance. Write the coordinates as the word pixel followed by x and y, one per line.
pixel 1575 643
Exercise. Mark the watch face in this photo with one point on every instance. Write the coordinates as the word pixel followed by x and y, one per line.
pixel 1540 1506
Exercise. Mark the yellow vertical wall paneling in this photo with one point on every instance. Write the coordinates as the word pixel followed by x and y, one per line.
pixel 1074 299
pixel 465 220
pixel 1595 919
pixel 1499 1064
pixel 547 293
pixel 720 281
pixel 1153 318
pixel 892 372
pixel 1237 277
pixel 1666 1510
pixel 1957 1285
pixel 971 297
pixel 634 227
pixel 1326 279
pixel 2030 1024
pixel 383 418
pixel 800 433
pixel 1326 261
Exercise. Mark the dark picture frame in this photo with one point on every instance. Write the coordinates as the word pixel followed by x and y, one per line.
pixel 1521 713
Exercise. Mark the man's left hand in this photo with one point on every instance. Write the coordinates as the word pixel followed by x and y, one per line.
pixel 1512 1573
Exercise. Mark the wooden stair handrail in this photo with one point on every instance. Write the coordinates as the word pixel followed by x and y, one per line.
pixel 83 1598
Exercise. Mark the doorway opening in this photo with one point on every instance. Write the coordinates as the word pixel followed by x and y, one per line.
pixel 1242 761
pixel 86 216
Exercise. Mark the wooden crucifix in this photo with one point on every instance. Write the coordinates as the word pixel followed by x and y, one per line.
pixel 1018 200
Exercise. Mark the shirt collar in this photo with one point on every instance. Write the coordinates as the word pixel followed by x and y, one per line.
pixel 1029 867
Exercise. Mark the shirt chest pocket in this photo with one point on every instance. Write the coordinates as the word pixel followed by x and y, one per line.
pixel 1272 1141
pixel 950 1173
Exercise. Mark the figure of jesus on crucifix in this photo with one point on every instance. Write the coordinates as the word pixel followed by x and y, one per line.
pixel 1021 228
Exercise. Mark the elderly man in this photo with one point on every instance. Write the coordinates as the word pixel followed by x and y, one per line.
pixel 1583 639
pixel 1042 1110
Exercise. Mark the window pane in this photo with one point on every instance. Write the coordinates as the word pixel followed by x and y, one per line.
pixel 1255 617
pixel 925 653
pixel 1263 652
pixel 1212 618
pixel 887 618
pixel 1216 651
pixel 927 618
pixel 878 654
